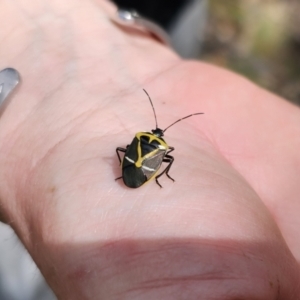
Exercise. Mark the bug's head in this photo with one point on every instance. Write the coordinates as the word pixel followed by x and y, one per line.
pixel 158 132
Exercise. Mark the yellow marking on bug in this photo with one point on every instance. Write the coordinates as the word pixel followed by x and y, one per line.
pixel 152 137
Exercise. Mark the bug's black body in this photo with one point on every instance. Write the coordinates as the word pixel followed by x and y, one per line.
pixel 144 156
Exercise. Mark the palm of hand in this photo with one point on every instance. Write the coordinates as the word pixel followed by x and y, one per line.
pixel 211 233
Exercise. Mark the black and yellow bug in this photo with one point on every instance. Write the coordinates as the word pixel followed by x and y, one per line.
pixel 144 156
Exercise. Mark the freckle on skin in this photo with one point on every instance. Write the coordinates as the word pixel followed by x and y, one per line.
pixel 52 189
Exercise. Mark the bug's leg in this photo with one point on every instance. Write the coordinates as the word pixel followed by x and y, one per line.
pixel 158 182
pixel 170 150
pixel 168 159
pixel 119 149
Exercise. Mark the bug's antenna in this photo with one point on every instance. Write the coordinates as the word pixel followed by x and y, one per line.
pixel 152 108
pixel 182 119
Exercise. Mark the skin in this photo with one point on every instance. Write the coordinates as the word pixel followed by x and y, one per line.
pixel 226 229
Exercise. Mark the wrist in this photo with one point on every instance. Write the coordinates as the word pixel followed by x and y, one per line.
pixel 37 48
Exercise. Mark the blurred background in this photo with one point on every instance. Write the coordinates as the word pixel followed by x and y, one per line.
pixel 257 38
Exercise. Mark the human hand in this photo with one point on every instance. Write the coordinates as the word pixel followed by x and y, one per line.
pixel 213 234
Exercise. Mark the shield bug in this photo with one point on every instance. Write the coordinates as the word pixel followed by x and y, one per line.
pixel 144 156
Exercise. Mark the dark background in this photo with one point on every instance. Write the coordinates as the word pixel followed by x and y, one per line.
pixel 162 11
